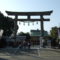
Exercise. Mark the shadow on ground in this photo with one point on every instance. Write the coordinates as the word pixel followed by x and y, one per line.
pixel 18 51
pixel 3 59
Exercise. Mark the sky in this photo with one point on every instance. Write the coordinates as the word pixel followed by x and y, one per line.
pixel 33 5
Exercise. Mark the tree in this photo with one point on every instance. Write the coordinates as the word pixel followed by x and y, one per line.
pixel 54 35
pixel 54 32
pixel 6 25
pixel 21 34
pixel 25 34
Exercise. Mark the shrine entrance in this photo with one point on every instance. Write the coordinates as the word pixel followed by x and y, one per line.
pixel 29 14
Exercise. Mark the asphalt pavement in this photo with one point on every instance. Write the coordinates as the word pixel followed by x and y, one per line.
pixel 32 54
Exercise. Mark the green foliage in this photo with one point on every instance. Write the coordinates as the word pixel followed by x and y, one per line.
pixel 21 34
pixel 25 34
pixel 54 32
pixel 6 25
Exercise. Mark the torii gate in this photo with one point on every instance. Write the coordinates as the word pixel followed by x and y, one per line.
pixel 29 14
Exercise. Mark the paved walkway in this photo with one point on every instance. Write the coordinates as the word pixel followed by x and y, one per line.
pixel 33 54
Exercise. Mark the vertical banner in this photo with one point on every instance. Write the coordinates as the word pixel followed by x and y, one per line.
pixel 58 33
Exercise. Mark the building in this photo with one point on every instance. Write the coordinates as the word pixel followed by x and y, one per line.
pixel 35 36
